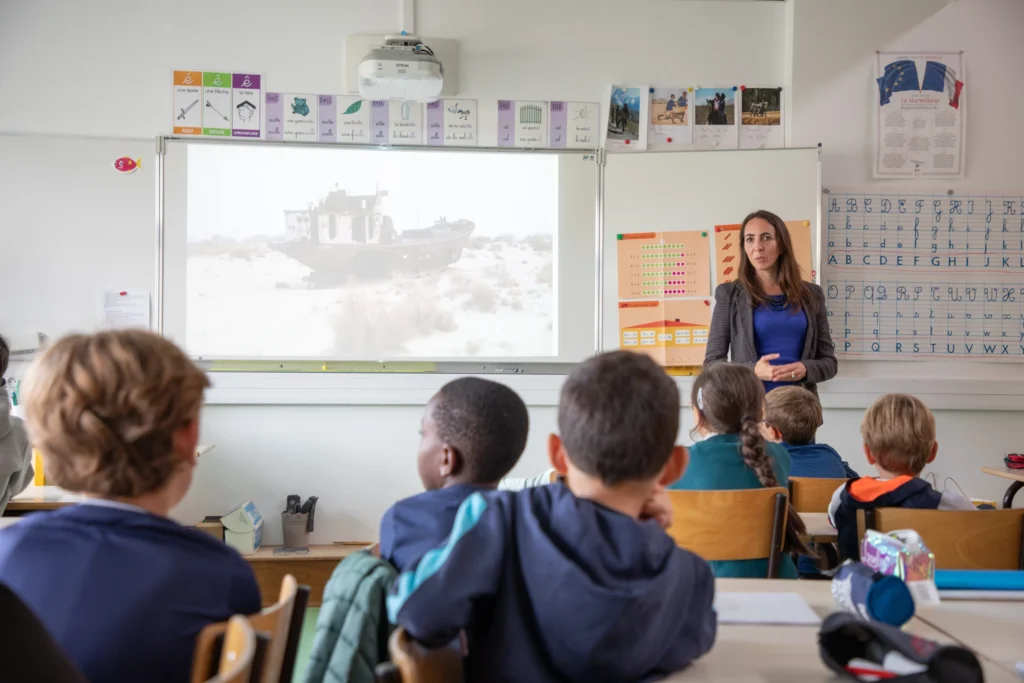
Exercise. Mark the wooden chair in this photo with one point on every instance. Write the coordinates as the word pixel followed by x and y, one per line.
pixel 237 653
pixel 811 494
pixel 276 622
pixel 414 663
pixel 291 649
pixel 274 625
pixel 747 524
pixel 960 539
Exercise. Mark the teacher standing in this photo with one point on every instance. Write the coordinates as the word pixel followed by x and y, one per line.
pixel 769 318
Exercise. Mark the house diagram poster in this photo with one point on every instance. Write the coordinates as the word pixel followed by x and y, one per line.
pixel 919 131
pixel 674 332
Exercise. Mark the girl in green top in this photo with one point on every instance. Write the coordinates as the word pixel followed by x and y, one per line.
pixel 728 407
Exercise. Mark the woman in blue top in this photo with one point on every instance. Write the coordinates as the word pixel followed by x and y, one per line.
pixel 769 319
pixel 728 407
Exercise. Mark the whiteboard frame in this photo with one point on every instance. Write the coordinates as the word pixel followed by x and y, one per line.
pixel 389 366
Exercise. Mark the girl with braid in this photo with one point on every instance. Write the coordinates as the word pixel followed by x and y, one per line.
pixel 728 407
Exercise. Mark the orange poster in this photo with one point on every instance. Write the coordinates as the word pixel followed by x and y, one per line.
pixel 728 248
pixel 673 332
pixel 660 264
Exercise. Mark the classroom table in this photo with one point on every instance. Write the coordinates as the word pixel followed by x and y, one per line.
pixel 1016 477
pixel 782 654
pixel 994 629
pixel 312 569
pixel 819 529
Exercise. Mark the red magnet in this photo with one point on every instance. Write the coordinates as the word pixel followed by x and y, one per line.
pixel 669 139
pixel 627 142
pixel 706 302
pixel 743 87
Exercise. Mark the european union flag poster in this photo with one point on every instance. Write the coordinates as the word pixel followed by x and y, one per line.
pixel 920 128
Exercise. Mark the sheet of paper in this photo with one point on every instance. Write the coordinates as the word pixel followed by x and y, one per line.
pixel 574 125
pixel 124 309
pixel 761 118
pixel 246 98
pixel 715 121
pixel 217 104
pixel 789 609
pixel 671 121
pixel 187 112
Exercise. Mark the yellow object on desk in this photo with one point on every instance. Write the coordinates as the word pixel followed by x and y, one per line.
pixel 38 477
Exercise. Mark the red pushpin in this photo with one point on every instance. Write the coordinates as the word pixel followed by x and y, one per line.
pixel 706 302
pixel 124 294
pixel 627 142
pixel 743 87
pixel 669 140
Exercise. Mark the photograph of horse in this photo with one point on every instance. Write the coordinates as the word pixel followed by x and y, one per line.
pixel 762 106
pixel 715 107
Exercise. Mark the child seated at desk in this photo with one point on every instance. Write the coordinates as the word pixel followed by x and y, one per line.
pixel 728 406
pixel 565 582
pixel 792 416
pixel 471 435
pixel 123 589
pixel 15 453
pixel 899 440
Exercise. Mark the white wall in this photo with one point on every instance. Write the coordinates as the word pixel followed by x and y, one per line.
pixel 103 68
pixel 113 61
pixel 833 95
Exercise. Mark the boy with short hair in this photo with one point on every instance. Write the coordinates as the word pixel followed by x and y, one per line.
pixel 564 582
pixel 899 440
pixel 15 452
pixel 792 417
pixel 471 435
pixel 121 587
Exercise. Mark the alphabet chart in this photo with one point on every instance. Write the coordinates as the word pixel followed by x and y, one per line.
pixel 926 275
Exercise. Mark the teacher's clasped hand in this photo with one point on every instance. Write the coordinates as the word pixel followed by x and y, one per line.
pixel 770 318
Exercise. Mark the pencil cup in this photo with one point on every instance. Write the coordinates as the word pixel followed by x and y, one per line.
pixel 294 525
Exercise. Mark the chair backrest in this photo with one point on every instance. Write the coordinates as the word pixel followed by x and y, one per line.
pixel 960 539
pixel 27 650
pixel 812 494
pixel 746 524
pixel 276 622
pixel 418 664
pixel 291 649
pixel 237 653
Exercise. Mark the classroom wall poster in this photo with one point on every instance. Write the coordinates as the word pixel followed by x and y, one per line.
pixel 406 122
pixel 327 124
pixel 451 122
pixel 715 118
pixel 301 117
pixel 217 104
pixel 246 99
pixel 728 247
pixel 379 129
pixel 670 125
pixel 919 120
pixel 574 125
pixel 273 106
pixel 659 264
pixel 761 118
pixel 187 110
pixel 627 118
pixel 674 332
pixel 352 117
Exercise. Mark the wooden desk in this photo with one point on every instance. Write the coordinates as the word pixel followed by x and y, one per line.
pixel 36 498
pixel 1016 477
pixel 819 529
pixel 782 654
pixel 312 569
pixel 993 629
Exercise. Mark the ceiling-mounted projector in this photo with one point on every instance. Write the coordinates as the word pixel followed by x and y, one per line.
pixel 403 68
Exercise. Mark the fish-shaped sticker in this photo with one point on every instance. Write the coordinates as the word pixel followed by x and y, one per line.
pixel 127 165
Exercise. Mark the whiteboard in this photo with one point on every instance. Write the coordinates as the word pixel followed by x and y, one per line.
pixel 697 191
pixel 71 227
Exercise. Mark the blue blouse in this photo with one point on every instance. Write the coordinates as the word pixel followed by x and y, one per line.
pixel 782 332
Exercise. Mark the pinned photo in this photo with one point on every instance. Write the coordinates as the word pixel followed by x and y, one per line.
pixel 627 118
pixel 715 107
pixel 762 107
pixel 670 124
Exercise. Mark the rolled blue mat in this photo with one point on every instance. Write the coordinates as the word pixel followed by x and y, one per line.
pixel 979 579
pixel 871 595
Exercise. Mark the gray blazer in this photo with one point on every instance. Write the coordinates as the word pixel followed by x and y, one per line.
pixel 732 329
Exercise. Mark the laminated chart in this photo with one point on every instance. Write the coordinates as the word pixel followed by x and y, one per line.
pixel 926 275
pixel 660 264
pixel 673 332
pixel 728 248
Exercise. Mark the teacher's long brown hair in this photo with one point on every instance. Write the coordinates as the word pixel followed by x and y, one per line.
pixel 787 270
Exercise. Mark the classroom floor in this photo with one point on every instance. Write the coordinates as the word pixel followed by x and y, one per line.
pixel 305 643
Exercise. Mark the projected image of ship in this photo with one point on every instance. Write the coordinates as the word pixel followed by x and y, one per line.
pixel 348 235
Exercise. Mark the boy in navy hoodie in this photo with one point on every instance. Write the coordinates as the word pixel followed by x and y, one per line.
pixel 566 582
pixel 471 435
pixel 792 416
pixel 899 440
